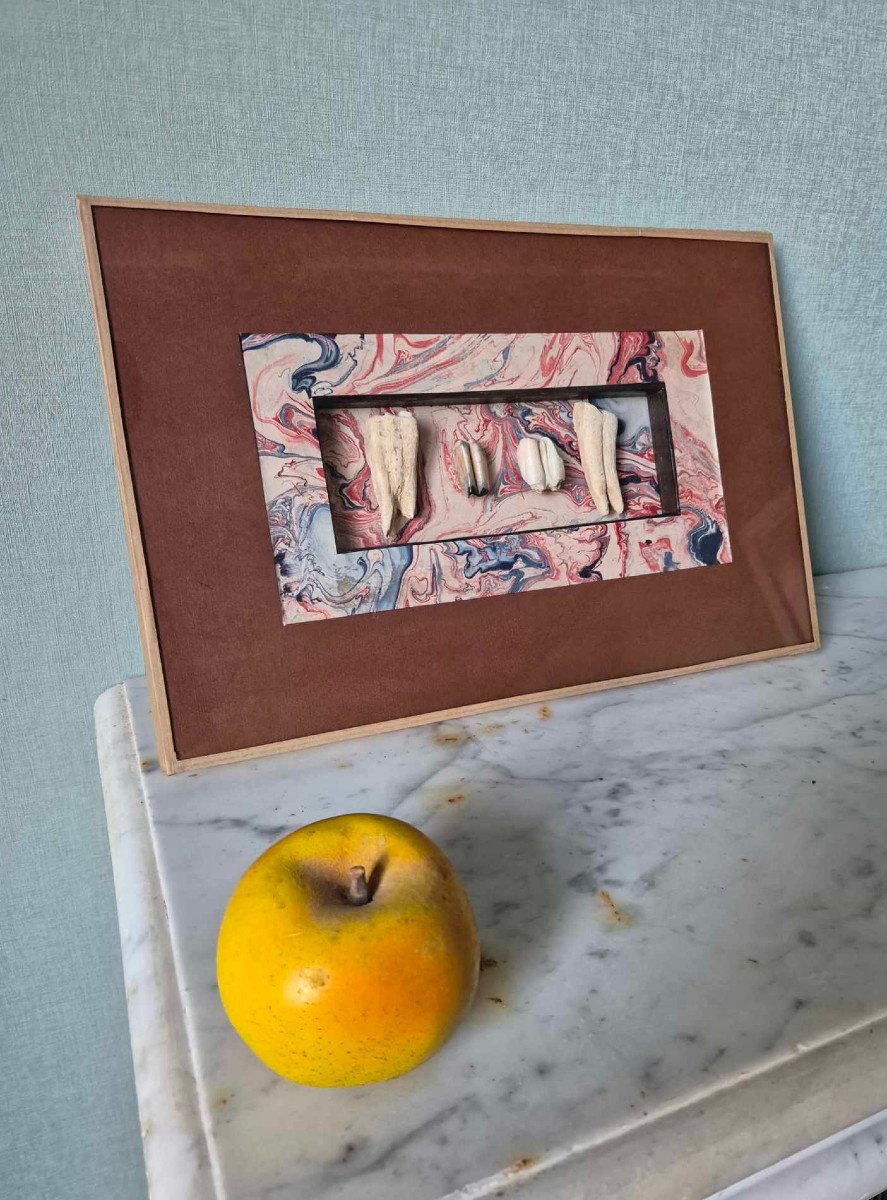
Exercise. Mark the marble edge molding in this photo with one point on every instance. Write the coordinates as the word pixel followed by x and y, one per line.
pixel 852 1162
pixel 177 1161
pixel 706 1143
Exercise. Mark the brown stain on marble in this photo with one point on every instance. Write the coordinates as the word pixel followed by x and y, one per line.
pixel 521 1164
pixel 449 737
pixel 544 713
pixel 614 914
pixel 495 1000
pixel 487 962
pixel 452 796
pixel 221 1098
pixel 492 728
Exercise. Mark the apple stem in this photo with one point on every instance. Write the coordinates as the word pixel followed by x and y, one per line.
pixel 358 892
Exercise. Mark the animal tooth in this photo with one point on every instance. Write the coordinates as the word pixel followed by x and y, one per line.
pixel 529 462
pixel 407 494
pixel 540 463
pixel 472 470
pixel 588 423
pixel 392 450
pixel 481 469
pixel 614 492
pixel 552 464
pixel 376 438
pixel 465 468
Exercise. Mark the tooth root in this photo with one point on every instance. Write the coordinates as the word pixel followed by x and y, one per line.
pixel 392 450
pixel 608 437
pixel 480 469
pixel 529 462
pixel 465 468
pixel 376 455
pixel 588 423
pixel 407 493
pixel 552 464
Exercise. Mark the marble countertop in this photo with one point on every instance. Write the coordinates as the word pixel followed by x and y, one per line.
pixel 681 889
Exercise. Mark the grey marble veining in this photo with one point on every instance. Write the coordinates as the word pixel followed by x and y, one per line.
pixel 681 889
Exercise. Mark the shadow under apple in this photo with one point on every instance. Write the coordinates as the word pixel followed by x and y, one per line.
pixel 509 867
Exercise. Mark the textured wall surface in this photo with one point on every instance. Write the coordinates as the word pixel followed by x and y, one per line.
pixel 747 114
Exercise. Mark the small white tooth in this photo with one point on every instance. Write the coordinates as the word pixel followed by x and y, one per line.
pixel 608 438
pixel 392 450
pixel 480 468
pixel 529 461
pixel 588 424
pixel 552 464
pixel 464 468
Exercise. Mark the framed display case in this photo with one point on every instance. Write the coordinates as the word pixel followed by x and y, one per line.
pixel 584 475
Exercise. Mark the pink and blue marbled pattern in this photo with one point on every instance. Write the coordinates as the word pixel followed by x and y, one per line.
pixel 287 372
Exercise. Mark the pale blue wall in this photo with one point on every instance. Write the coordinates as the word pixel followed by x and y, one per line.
pixel 747 114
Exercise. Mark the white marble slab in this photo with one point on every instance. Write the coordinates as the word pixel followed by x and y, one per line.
pixel 731 1014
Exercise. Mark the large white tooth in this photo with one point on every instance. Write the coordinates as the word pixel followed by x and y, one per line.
pixel 608 437
pixel 552 464
pixel 392 450
pixel 529 461
pixel 588 424
pixel 480 468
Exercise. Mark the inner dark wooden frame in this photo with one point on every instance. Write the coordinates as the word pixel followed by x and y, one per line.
pixel 173 285
pixel 660 432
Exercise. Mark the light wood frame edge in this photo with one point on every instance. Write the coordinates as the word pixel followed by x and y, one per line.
pixel 319 214
pixel 793 443
pixel 169 761
pixel 166 751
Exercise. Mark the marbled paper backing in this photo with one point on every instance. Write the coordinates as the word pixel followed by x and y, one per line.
pixel 328 557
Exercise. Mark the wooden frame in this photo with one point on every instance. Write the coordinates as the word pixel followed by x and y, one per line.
pixel 170 760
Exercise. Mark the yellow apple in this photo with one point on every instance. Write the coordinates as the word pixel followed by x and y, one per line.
pixel 348 952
